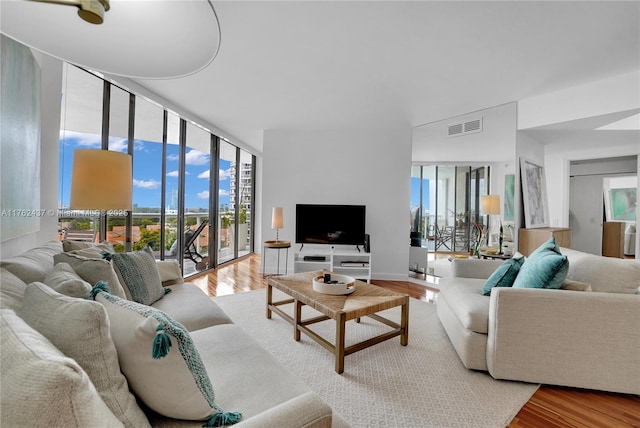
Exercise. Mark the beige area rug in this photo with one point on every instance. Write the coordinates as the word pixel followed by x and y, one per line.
pixel 388 385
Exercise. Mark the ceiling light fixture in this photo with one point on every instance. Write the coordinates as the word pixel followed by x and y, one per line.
pixel 175 38
pixel 91 11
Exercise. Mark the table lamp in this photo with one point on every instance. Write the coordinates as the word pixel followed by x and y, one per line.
pixel 277 220
pixel 101 180
pixel 490 205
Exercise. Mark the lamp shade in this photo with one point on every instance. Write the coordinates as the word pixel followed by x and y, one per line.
pixel 490 204
pixel 101 180
pixel 187 32
pixel 277 220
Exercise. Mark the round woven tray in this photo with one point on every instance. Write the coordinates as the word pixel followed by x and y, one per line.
pixel 345 284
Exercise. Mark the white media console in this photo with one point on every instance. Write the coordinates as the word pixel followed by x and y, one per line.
pixel 346 262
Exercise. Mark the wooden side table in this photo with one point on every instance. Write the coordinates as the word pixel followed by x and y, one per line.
pixel 276 245
pixel 530 239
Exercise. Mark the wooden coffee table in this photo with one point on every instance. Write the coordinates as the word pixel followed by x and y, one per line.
pixel 366 300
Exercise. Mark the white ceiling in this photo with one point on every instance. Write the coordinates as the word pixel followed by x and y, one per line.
pixel 52 26
pixel 373 64
pixel 361 64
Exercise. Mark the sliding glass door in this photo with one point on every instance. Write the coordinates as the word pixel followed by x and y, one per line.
pixel 444 201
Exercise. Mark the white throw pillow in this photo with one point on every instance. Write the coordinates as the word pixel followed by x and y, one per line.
pixel 161 363
pixel 80 329
pixel 40 386
pixel 170 273
pixel 69 245
pixel 66 281
pixel 33 264
pixel 11 290
pixel 92 270
pixel 92 253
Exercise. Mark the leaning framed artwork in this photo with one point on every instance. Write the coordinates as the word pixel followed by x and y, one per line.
pixel 620 198
pixel 622 203
pixel 534 194
pixel 20 140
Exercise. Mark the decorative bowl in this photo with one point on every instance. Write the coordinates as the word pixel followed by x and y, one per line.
pixel 340 284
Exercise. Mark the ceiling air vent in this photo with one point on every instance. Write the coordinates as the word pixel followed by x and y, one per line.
pixel 455 129
pixel 464 128
pixel 472 126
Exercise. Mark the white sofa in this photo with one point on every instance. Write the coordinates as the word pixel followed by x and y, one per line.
pixel 246 378
pixel 585 339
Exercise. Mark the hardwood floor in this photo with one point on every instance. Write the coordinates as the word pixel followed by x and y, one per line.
pixel 550 406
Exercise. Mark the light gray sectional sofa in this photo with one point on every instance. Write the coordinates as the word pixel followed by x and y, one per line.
pixel 585 334
pixel 244 376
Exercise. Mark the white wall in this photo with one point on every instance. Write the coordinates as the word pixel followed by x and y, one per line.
pixel 616 94
pixel 361 167
pixel 51 88
pixel 529 148
pixel 590 103
pixel 586 191
pixel 558 156
pixel 556 150
pixel 495 143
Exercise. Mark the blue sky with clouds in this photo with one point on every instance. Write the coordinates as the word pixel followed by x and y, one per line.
pixel 415 193
pixel 147 171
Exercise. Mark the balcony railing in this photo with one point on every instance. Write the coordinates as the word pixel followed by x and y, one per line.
pixel 117 233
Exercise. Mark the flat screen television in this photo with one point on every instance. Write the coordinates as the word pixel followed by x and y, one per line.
pixel 330 224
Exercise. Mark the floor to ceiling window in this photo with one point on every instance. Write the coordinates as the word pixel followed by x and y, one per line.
pixel 81 127
pixel 117 140
pixel 242 200
pixel 197 160
pixel 172 173
pixel 226 212
pixel 445 199
pixel 147 176
pixel 235 202
pixel 174 190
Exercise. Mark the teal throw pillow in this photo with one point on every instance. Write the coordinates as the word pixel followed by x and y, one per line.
pixel 139 274
pixel 546 267
pixel 504 276
pixel 159 359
